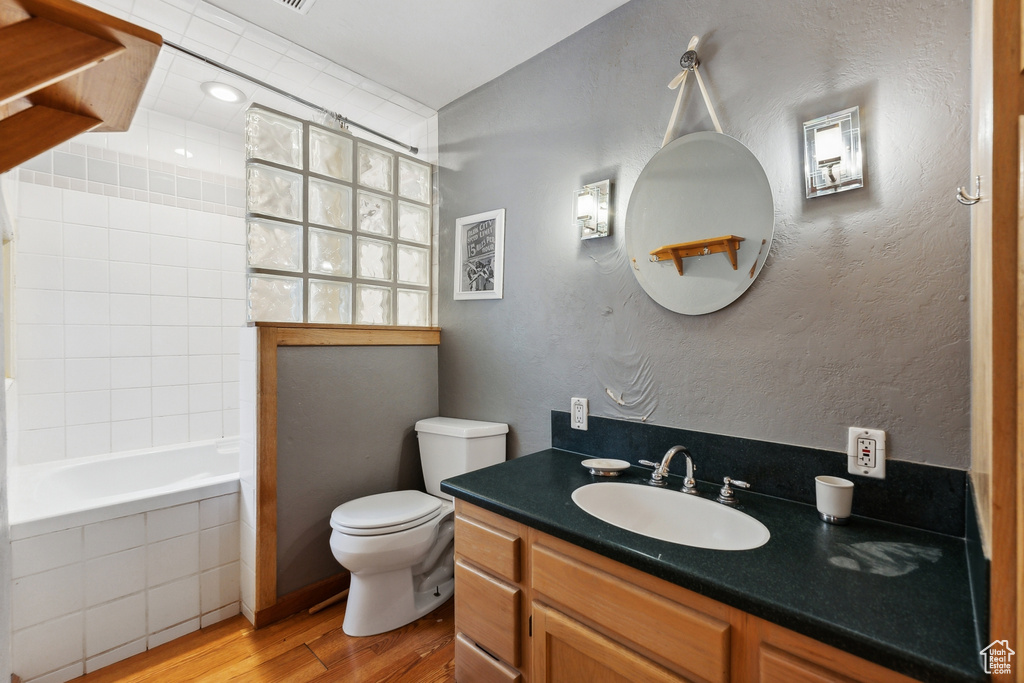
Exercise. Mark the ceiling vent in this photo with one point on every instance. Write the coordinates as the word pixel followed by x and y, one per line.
pixel 300 6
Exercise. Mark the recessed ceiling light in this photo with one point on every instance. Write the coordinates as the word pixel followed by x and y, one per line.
pixel 183 152
pixel 223 91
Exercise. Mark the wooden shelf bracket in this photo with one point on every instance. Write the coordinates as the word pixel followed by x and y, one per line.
pixel 727 244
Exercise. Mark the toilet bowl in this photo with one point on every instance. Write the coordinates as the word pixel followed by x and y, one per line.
pixel 399 546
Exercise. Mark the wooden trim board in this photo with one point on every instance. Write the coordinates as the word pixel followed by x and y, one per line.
pixel 269 607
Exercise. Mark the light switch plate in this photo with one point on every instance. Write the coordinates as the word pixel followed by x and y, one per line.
pixel 865 451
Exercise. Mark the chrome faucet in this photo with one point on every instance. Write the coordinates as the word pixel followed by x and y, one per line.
pixel 660 475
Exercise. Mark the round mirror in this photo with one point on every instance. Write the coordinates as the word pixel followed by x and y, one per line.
pixel 699 223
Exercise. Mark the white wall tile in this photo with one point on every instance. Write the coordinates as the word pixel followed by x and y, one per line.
pixel 170 310
pixel 86 407
pixel 86 308
pixel 170 341
pixel 115 576
pixel 170 370
pixel 203 426
pixel 130 340
pixel 170 400
pixel 115 624
pixel 128 214
pixel 40 341
pixel 48 647
pixel 40 445
pixel 130 278
pixel 42 306
pixel 130 373
pixel 87 374
pixel 171 522
pixel 130 435
pixel 205 369
pixel 38 598
pixel 115 535
pixel 218 615
pixel 130 404
pixel 127 245
pixel 116 655
pixel 41 376
pixel 39 237
pixel 39 271
pixel 217 511
pixel 205 397
pixel 172 559
pixel 168 251
pixel 203 254
pixel 173 603
pixel 86 275
pixel 37 201
pixel 204 313
pixel 203 283
pixel 169 280
pixel 167 220
pixel 167 635
pixel 170 429
pixel 61 675
pixel 130 309
pixel 220 587
pixel 218 546
pixel 204 340
pixel 50 551
pixel 41 411
pixel 86 241
pixel 85 209
pixel 87 341
pixel 91 439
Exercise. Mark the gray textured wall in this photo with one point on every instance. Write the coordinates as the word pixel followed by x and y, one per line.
pixel 860 316
pixel 345 419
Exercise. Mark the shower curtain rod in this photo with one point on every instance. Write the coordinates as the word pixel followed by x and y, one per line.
pixel 295 98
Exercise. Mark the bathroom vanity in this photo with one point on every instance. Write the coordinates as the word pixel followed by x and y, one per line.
pixel 546 593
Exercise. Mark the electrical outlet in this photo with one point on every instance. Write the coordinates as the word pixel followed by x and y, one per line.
pixel 865 450
pixel 578 411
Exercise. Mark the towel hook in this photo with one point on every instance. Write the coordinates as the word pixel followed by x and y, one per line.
pixel 966 199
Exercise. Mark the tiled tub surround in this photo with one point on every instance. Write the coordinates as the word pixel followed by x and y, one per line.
pixel 90 595
pixel 126 323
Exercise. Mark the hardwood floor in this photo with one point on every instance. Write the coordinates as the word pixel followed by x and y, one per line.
pixel 302 648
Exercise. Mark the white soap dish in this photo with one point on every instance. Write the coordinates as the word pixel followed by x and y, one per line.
pixel 605 467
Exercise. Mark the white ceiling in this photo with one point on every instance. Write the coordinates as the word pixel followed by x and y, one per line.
pixel 386 64
pixel 432 52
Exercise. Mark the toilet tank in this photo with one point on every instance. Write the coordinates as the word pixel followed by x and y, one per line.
pixel 450 446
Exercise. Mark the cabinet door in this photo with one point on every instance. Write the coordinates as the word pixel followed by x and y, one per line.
pixel 566 651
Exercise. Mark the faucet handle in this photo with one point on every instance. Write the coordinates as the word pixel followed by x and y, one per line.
pixel 726 496
pixel 658 478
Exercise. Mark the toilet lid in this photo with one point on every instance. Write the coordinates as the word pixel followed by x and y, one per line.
pixel 385 510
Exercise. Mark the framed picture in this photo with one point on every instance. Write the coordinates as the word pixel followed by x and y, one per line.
pixel 480 255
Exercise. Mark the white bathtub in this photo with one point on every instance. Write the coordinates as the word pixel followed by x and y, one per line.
pixel 112 555
pixel 68 493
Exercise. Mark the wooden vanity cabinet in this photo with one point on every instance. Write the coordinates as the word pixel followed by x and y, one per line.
pixel 532 608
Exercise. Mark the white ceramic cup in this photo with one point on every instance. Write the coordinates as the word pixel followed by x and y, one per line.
pixel 835 498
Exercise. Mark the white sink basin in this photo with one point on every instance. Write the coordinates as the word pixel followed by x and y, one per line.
pixel 672 516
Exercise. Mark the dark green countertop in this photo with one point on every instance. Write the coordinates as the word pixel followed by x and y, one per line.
pixel 891 594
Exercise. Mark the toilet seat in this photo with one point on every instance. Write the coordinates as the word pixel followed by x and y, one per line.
pixel 385 513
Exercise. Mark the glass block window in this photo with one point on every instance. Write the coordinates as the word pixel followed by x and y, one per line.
pixel 339 228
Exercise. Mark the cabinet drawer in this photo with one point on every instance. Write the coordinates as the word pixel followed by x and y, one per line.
pixel 776 666
pixel 496 551
pixel 691 641
pixel 569 652
pixel 488 611
pixel 473 665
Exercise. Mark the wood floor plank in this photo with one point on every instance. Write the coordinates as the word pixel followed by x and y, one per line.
pixel 302 649
pixel 298 664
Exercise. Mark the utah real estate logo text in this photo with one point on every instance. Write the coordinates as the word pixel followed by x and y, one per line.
pixel 995 658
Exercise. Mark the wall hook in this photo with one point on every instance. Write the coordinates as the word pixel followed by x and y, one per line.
pixel 966 199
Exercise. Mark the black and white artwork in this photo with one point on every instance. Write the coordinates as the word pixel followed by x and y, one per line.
pixel 479 255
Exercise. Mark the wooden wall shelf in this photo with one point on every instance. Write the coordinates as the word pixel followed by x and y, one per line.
pixel 727 244
pixel 66 69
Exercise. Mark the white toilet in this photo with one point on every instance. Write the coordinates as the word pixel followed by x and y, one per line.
pixel 399 546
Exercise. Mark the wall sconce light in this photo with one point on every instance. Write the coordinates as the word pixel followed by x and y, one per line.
pixel 832 159
pixel 590 210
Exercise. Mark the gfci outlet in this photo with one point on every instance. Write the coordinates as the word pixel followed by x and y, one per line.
pixel 865 451
pixel 578 411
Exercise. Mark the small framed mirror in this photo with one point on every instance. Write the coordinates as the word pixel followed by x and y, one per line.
pixel 699 223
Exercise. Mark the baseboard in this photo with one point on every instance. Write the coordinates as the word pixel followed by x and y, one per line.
pixel 302 599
